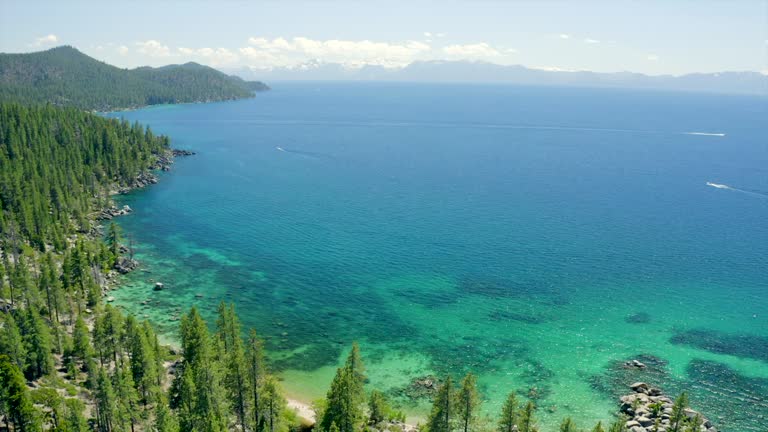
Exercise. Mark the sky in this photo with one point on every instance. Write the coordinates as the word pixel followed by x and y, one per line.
pixel 652 37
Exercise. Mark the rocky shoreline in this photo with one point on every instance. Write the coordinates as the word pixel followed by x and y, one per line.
pixel 648 409
pixel 126 264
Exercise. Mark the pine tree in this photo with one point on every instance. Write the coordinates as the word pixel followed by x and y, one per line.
pixel 37 341
pixel 113 240
pixel 12 343
pixel 256 374
pixel 206 410
pixel 106 408
pixel 81 342
pixel 3 292
pixel 378 407
pixel 598 427
pixel 142 359
pixel 165 420
pixel 274 404
pixel 527 422
pixel 127 398
pixel 52 407
pixel 15 401
pixel 235 365
pixel 50 284
pixel 108 333
pixel 694 424
pixel 568 425
pixel 73 416
pixel 509 414
pixel 355 364
pixel 183 399
pixel 467 402
pixel 21 281
pixel 342 404
pixel 676 420
pixel 157 352
pixel 618 425
pixel 443 409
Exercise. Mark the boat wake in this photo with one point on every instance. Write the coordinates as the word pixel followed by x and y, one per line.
pixel 718 185
pixel 713 134
pixel 748 192
pixel 306 154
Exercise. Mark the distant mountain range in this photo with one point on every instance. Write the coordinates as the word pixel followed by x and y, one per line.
pixel 65 76
pixel 464 71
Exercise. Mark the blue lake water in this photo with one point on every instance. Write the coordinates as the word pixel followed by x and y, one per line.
pixel 536 236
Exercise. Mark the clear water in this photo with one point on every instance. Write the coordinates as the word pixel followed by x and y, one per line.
pixel 505 230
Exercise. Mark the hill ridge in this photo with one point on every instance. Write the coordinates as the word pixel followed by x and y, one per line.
pixel 66 76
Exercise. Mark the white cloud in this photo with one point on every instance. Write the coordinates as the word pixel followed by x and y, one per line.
pixel 471 51
pixel 122 50
pixel 153 48
pixel 427 34
pixel 591 41
pixel 211 56
pixel 283 52
pixel 564 36
pixel 652 57
pixel 46 40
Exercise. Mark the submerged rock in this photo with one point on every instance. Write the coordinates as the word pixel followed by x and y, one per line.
pixel 638 318
pixel 744 345
pixel 419 388
pixel 634 364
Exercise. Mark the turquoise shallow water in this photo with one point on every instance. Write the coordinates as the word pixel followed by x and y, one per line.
pixel 535 236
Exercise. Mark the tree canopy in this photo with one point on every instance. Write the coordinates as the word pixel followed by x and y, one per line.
pixel 65 76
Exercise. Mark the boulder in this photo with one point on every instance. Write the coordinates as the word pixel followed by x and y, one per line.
pixel 644 421
pixel 638 386
pixel 634 364
pixel 125 265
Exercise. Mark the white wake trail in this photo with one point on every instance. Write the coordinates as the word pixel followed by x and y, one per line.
pixel 713 134
pixel 718 185
pixel 726 187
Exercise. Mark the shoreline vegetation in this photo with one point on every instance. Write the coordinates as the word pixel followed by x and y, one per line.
pixel 70 361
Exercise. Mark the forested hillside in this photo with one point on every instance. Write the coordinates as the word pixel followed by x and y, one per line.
pixel 65 76
pixel 55 167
